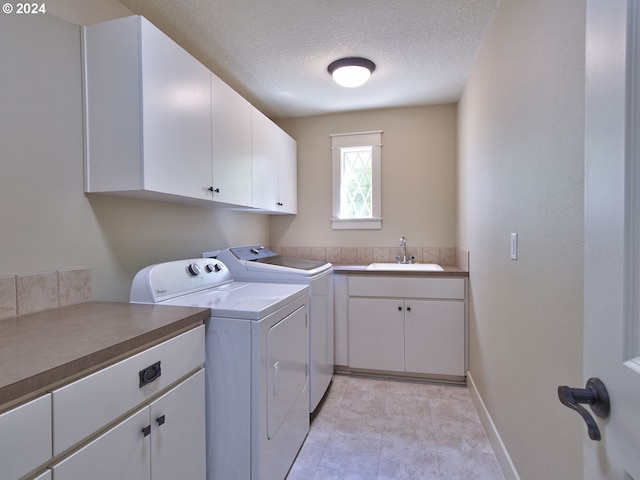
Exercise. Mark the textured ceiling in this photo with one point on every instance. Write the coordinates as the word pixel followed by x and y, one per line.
pixel 276 52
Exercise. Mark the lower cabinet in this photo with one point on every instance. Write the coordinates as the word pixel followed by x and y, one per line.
pixel 140 418
pixel 425 336
pixel 376 334
pixel 162 441
pixel 25 438
pixel 122 452
pixel 434 337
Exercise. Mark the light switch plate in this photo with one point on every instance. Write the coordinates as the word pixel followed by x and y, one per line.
pixel 514 246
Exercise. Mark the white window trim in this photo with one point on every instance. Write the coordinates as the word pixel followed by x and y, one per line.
pixel 343 140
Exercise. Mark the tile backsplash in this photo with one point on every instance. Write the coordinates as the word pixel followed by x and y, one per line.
pixel 22 294
pixel 367 255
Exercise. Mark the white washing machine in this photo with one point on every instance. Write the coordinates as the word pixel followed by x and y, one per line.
pixel 257 338
pixel 256 263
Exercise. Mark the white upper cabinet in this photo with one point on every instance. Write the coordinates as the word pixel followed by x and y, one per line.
pixel 159 125
pixel 287 174
pixel 231 140
pixel 264 161
pixel 147 113
pixel 274 166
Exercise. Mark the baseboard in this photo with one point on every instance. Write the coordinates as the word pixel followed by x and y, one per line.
pixel 502 455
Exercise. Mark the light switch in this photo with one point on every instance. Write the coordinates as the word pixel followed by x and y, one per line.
pixel 514 246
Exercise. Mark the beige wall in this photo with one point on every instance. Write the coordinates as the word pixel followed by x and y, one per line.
pixel 47 223
pixel 418 178
pixel 521 170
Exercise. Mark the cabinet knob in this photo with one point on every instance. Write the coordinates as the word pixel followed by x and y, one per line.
pixel 146 431
pixel 399 309
pixel 211 189
pixel 160 420
pixel 408 309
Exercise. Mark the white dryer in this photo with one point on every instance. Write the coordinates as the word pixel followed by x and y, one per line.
pixel 256 366
pixel 256 263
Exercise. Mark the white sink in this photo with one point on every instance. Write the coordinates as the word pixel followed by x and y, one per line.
pixel 404 267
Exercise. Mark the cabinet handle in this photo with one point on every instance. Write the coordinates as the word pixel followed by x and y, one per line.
pixel 149 374
pixel 160 420
pixel 280 204
pixel 146 431
pixel 211 189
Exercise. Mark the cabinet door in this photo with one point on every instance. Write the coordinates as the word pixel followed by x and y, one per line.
pixel 287 174
pixel 434 337
pixel 231 142
pixel 122 453
pixel 376 334
pixel 178 432
pixel 176 106
pixel 264 161
pixel 25 437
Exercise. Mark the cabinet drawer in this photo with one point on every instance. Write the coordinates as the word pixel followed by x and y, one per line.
pixel 25 434
pixel 404 287
pixel 87 405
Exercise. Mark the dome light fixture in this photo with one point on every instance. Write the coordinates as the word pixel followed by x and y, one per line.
pixel 351 71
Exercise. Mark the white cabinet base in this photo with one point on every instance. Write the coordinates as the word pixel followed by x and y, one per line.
pixel 405 326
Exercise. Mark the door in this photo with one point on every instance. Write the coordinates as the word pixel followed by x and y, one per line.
pixel 287 174
pixel 264 161
pixel 176 112
pixel 231 140
pixel 287 367
pixel 178 432
pixel 376 334
pixel 123 452
pixel 612 234
pixel 434 337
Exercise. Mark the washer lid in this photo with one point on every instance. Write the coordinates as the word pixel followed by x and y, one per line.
pixel 242 300
pixel 260 259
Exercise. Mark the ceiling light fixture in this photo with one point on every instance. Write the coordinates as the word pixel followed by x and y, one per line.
pixel 352 71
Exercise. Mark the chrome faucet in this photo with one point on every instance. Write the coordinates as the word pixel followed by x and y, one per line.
pixel 404 258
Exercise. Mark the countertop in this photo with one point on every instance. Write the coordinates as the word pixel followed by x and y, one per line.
pixel 43 350
pixel 448 271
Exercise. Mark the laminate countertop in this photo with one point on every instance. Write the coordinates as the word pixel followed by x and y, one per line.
pixel 448 271
pixel 44 350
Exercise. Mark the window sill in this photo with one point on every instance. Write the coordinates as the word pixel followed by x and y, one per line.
pixel 356 223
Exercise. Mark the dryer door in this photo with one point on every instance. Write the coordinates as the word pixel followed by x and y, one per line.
pixel 287 357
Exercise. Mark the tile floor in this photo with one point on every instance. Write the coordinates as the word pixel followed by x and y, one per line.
pixel 376 429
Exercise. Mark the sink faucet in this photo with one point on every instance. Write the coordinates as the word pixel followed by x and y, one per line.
pixel 404 258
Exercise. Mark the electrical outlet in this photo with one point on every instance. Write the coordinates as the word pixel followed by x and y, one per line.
pixel 514 246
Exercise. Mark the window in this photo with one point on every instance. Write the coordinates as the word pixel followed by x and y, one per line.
pixel 356 180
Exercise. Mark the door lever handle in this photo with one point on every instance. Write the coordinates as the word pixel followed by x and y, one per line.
pixel 595 394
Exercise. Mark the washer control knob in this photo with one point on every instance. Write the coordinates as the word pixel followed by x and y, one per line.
pixel 213 267
pixel 194 269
